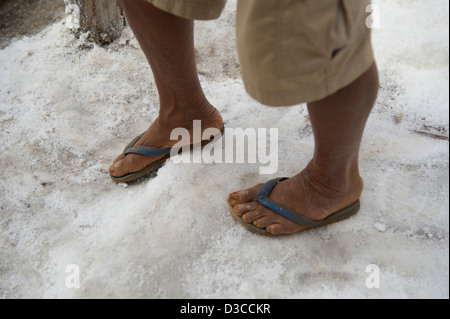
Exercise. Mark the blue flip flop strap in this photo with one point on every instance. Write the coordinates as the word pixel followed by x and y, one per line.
pixel 131 144
pixel 149 151
pixel 145 150
pixel 263 198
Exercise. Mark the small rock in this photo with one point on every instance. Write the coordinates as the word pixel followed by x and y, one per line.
pixel 124 185
pixel 380 227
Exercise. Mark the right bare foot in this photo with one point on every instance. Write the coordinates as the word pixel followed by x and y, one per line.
pixel 307 193
pixel 158 135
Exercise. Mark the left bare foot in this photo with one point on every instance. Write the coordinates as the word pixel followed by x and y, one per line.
pixel 306 193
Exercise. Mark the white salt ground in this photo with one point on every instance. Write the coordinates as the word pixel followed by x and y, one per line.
pixel 66 111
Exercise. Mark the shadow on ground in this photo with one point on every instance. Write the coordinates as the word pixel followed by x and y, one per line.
pixel 20 18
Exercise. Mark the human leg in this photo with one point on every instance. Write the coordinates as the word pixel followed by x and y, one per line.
pixel 168 44
pixel 331 181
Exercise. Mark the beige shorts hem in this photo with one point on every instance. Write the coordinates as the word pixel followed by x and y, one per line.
pixel 191 9
pixel 293 52
pixel 334 79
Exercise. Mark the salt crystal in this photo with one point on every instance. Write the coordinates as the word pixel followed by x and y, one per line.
pixel 381 227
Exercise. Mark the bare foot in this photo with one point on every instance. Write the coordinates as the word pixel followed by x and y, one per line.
pixel 305 193
pixel 158 135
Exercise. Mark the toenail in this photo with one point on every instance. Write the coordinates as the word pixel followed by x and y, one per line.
pixel 234 196
pixel 117 164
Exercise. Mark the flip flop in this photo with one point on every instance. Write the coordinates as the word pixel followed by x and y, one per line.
pixel 152 151
pixel 263 198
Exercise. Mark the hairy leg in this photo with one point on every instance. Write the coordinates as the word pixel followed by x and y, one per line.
pixel 168 43
pixel 331 181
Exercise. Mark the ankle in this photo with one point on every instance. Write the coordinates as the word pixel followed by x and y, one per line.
pixel 208 115
pixel 182 113
pixel 339 178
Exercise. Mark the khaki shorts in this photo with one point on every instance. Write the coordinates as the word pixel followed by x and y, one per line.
pixel 292 51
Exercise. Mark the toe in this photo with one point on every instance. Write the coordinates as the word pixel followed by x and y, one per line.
pixel 251 216
pixel 118 168
pixel 120 157
pixel 242 209
pixel 283 227
pixel 113 168
pixel 263 222
pixel 244 196
pixel 275 229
